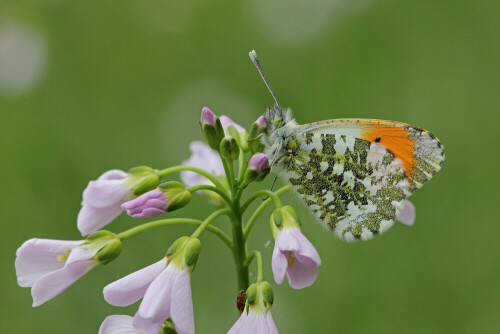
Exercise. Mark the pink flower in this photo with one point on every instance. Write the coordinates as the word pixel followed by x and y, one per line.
pixel 407 215
pixel 259 163
pixel 256 318
pixel 102 199
pixel 293 255
pixel 51 266
pixel 203 157
pixel 164 288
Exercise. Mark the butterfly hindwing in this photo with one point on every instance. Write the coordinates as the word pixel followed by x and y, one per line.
pixel 354 175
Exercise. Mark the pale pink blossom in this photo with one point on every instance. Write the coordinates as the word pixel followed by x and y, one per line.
pixel 254 321
pixel 295 257
pixel 165 291
pixel 102 200
pixel 50 266
pixel 407 215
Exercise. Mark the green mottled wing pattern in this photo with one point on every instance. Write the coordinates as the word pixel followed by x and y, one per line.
pixel 356 188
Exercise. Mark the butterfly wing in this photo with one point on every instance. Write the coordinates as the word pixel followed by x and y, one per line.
pixel 355 174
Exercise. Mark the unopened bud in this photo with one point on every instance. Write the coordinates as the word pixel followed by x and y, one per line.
pixel 176 195
pixel 229 148
pixel 211 128
pixel 258 168
pixel 256 130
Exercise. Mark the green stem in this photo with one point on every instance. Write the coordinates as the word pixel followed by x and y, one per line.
pixel 211 188
pixel 175 169
pixel 207 221
pixel 230 180
pixel 269 193
pixel 260 273
pixel 239 247
pixel 242 166
pixel 174 221
pixel 256 214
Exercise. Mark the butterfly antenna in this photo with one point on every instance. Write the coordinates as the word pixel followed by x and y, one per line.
pixel 255 60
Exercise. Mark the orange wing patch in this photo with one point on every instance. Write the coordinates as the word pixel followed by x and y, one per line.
pixel 396 140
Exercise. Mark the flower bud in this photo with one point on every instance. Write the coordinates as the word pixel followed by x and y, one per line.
pixel 184 252
pixel 211 128
pixel 229 148
pixel 142 179
pixel 256 130
pixel 258 168
pixel 176 195
pixel 169 196
pixel 283 217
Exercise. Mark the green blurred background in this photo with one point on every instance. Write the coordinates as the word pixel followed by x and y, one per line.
pixel 93 85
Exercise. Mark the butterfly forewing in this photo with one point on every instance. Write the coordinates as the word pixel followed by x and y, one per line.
pixel 355 174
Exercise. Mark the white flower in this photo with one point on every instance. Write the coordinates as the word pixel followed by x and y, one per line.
pixel 118 324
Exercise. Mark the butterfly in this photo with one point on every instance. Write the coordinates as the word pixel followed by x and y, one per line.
pixel 353 174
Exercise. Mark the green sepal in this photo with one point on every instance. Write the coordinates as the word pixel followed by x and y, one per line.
pixel 110 252
pixel 176 246
pixel 100 234
pixel 179 201
pixel 192 252
pixel 252 294
pixel 176 195
pixel 267 294
pixel 168 327
pixel 146 183
pixel 241 137
pixel 213 135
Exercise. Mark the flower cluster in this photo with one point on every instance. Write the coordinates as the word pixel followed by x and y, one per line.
pixel 49 267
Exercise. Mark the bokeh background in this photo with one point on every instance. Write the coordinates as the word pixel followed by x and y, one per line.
pixel 87 86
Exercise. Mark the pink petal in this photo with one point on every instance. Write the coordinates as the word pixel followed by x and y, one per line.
pixel 270 323
pixel 80 254
pixel 306 248
pixel 145 326
pixel 103 193
pixel 181 308
pixel 113 174
pixel 52 284
pixel 279 264
pixel 91 219
pixel 155 306
pixel 301 275
pixel 118 324
pixel 226 122
pixel 38 257
pixel 407 215
pixel 256 323
pixel 239 324
pixel 131 288
pixel 287 240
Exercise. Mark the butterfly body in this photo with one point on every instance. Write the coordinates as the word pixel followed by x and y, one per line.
pixel 353 174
